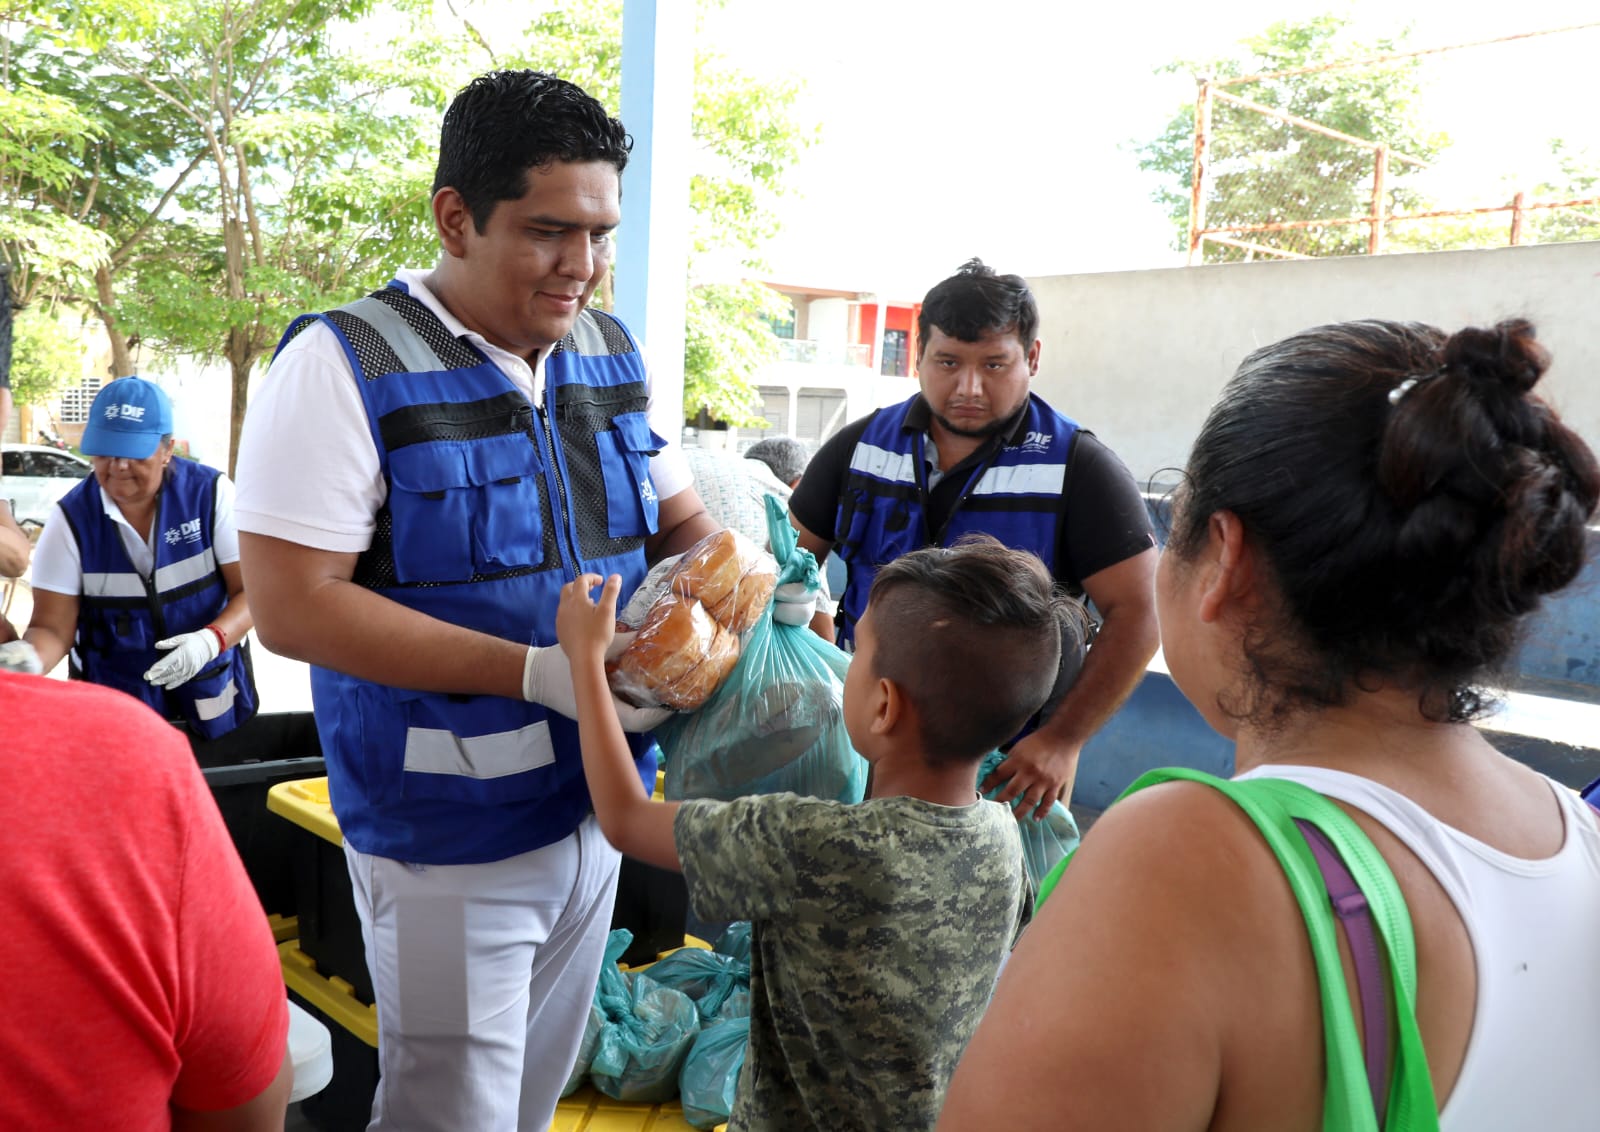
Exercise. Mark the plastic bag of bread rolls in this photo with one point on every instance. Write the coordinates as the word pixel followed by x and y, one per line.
pixel 777 721
pixel 728 574
pixel 679 657
pixel 688 638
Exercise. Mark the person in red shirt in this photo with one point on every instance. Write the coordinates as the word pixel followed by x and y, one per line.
pixel 142 987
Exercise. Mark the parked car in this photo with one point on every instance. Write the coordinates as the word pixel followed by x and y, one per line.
pixel 36 476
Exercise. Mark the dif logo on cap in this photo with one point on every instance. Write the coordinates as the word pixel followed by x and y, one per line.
pixel 128 419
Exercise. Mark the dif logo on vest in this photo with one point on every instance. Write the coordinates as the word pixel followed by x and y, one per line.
pixel 183 532
pixel 1036 442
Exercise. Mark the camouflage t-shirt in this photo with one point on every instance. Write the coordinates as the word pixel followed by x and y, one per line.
pixel 877 933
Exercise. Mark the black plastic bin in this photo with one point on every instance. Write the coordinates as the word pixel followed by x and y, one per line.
pixel 271 748
pixel 330 928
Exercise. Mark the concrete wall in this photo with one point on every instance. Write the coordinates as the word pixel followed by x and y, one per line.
pixel 1139 356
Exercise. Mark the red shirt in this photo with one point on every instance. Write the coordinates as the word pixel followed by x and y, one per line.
pixel 137 969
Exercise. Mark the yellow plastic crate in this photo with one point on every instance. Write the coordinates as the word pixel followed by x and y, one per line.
pixel 588 1110
pixel 332 995
pixel 305 802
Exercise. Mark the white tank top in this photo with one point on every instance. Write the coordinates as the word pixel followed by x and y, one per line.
pixel 1534 1053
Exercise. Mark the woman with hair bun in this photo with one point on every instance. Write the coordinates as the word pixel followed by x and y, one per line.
pixel 1371 511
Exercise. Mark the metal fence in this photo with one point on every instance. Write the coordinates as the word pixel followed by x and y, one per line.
pixel 1268 183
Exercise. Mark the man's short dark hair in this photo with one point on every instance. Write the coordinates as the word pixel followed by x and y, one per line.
pixel 504 123
pixel 974 302
pixel 972 635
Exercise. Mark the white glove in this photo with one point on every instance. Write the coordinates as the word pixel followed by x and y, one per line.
pixel 547 680
pixel 190 653
pixel 793 603
pixel 19 656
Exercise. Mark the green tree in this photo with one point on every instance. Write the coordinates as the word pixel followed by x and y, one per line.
pixel 42 144
pixel 1579 179
pixel 46 356
pixel 313 170
pixel 241 161
pixel 1263 170
pixel 746 137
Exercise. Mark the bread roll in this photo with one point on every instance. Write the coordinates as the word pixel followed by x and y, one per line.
pixel 681 655
pixel 710 570
pixel 741 608
pixel 730 575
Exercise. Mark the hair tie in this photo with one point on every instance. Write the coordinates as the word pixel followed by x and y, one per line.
pixel 1411 383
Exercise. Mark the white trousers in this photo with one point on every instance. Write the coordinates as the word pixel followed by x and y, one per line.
pixel 483 976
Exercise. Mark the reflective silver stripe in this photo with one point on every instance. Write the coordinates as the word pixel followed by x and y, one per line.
pixel 899 467
pixel 1022 479
pixel 414 354
pixel 434 751
pixel 191 569
pixel 219 704
pixel 588 337
pixel 113 585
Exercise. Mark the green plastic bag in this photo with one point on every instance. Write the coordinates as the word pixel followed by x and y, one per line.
pixel 706 977
pixel 777 722
pixel 586 1048
pixel 1046 842
pixel 616 943
pixel 710 1078
pixel 734 941
pixel 649 1030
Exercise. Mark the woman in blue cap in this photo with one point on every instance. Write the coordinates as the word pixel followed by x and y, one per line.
pixel 137 573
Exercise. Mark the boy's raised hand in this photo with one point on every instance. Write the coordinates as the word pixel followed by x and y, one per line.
pixel 585 626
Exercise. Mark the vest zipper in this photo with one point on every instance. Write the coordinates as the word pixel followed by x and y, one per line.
pixel 561 485
pixel 926 494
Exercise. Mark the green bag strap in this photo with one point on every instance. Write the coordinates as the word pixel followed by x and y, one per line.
pixel 1273 804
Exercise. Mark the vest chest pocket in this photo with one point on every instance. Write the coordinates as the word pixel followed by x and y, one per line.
pixel 632 506
pixel 465 508
pixel 119 631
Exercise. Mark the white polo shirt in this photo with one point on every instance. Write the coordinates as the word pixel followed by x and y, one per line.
pixel 308 469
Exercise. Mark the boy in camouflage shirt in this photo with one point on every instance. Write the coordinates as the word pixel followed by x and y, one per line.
pixel 877 929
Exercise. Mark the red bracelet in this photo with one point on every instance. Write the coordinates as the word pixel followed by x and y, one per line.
pixel 222 641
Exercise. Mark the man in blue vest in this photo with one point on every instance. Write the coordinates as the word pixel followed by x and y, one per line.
pixel 975 451
pixel 420 474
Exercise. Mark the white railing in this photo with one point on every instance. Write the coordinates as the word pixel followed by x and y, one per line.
pixel 824 353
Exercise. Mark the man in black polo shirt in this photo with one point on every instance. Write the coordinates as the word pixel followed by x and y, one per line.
pixel 976 452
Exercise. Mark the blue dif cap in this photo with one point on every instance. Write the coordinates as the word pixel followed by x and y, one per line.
pixel 128 419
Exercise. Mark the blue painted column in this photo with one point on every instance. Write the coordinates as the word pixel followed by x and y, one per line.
pixel 652 262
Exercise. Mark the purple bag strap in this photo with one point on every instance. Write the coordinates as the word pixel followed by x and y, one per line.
pixel 1350 906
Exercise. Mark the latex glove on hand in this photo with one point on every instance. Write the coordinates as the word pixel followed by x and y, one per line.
pixel 19 656
pixel 547 680
pixel 793 603
pixel 190 653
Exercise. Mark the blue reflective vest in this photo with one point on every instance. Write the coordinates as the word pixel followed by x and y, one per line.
pixel 121 614
pixel 1015 496
pixel 492 506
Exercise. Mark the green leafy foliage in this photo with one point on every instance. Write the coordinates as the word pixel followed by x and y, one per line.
pixel 197 172
pixel 1263 170
pixel 727 338
pixel 42 146
pixel 45 355
pixel 1579 180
